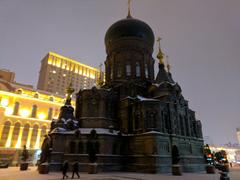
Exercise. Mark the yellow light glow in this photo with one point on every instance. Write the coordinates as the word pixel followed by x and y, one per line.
pixel 80 71
pixel 58 63
pixel 67 68
pixel 63 65
pixel 43 98
pixel 68 60
pixel 8 111
pixel 49 61
pixel 41 116
pixel 4 102
pixel 92 76
pixel 24 112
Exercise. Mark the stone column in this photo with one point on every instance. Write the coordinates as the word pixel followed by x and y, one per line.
pixel 37 144
pixel 19 140
pixel 29 137
pixel 9 139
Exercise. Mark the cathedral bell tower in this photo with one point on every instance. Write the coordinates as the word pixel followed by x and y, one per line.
pixel 129 47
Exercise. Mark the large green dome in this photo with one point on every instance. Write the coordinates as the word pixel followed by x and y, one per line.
pixel 130 27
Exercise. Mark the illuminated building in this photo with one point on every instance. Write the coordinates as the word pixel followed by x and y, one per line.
pixel 25 116
pixel 57 71
pixel 233 152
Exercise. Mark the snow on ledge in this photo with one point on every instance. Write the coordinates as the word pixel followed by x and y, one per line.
pixel 88 130
pixel 145 99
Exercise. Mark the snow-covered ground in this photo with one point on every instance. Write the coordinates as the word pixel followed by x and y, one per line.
pixel 13 173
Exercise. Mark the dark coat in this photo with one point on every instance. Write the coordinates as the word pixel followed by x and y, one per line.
pixel 75 167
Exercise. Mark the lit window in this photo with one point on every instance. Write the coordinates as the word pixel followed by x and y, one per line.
pixel 34 111
pixel 146 70
pixel 64 75
pixel 54 72
pixel 128 70
pixel 50 112
pixel 138 71
pixel 16 108
pixel 119 70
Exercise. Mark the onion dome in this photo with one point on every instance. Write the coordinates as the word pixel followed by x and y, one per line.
pixel 130 28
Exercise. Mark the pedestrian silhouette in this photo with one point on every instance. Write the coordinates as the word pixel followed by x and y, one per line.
pixel 75 169
pixel 65 169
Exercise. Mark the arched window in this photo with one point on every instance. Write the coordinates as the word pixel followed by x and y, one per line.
pixel 19 91
pixel 128 70
pixel 15 134
pixel 25 134
pixel 72 145
pixel 34 111
pixel 138 70
pixel 50 112
pixel 80 147
pixel 119 70
pixel 36 95
pixel 111 72
pixel 51 98
pixel 146 71
pixel 5 133
pixel 16 108
pixel 114 148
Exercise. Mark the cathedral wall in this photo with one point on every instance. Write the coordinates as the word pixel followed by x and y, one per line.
pixel 151 152
pixel 71 147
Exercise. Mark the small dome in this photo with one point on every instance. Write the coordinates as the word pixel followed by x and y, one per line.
pixel 130 27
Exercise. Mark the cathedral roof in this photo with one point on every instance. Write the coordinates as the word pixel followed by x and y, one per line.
pixel 130 27
pixel 163 75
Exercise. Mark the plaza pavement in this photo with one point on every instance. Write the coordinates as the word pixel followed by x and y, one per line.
pixel 13 173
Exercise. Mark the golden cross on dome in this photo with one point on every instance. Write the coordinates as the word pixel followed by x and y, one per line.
pixel 129 9
pixel 160 54
pixel 158 40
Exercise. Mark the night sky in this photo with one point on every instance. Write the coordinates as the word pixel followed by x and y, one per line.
pixel 201 38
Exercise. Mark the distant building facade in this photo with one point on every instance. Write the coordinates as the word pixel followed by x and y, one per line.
pixel 233 152
pixel 7 75
pixel 58 71
pixel 25 116
pixel 238 135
